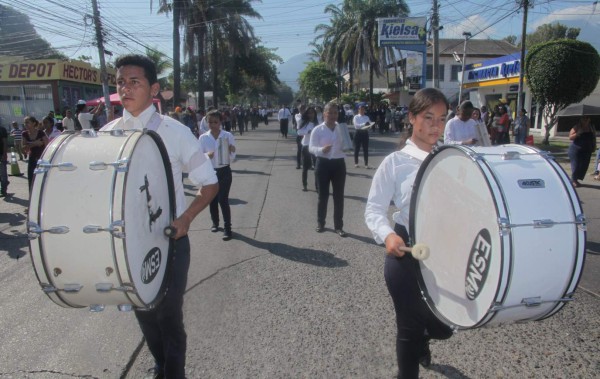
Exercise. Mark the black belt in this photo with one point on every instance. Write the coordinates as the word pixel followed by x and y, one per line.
pixel 222 167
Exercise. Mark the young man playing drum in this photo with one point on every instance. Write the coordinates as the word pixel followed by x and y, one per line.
pixel 393 181
pixel 162 326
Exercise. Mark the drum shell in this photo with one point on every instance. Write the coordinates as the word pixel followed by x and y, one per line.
pixel 461 192
pixel 86 197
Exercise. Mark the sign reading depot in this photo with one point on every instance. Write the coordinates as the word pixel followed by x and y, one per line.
pixel 401 31
pixel 52 69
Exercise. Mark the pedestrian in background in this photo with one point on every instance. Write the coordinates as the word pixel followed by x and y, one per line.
pixel 583 144
pixel 17 135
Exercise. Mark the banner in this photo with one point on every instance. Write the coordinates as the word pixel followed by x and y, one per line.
pixel 12 70
pixel 402 31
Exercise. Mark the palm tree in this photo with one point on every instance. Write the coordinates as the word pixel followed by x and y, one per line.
pixel 351 40
pixel 161 62
pixel 180 10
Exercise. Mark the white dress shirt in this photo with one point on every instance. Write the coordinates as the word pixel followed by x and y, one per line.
pixel 284 113
pixel 322 136
pixel 85 119
pixel 210 144
pixel 458 130
pixel 359 121
pixel 393 181
pixel 305 132
pixel 182 147
pixel 68 123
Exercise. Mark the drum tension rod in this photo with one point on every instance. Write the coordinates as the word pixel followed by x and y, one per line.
pixel 121 165
pixel 115 228
pixel 529 302
pixel 43 166
pixel 69 288
pixel 107 287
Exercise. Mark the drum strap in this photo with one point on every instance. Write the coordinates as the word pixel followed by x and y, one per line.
pixel 414 152
pixel 154 122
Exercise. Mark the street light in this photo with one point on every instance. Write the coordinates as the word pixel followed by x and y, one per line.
pixel 467 35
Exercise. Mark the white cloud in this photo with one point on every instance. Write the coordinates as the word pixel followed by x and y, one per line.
pixel 474 25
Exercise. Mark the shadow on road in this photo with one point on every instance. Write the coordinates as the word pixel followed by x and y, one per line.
pixel 448 371
pixel 300 255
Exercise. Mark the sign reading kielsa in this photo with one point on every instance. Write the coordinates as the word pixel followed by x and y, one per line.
pixel 401 31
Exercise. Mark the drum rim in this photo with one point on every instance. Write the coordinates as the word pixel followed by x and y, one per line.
pixel 505 267
pixel 172 202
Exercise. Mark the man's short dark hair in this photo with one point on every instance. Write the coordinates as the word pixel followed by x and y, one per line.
pixel 140 61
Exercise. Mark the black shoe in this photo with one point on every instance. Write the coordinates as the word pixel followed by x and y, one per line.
pixel 214 229
pixel 227 235
pixel 341 233
pixel 154 373
pixel 298 167
pixel 320 228
pixel 425 358
pixel 304 189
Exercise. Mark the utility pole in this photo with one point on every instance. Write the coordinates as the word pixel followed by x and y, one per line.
pixel 520 95
pixel 436 46
pixel 100 43
pixel 467 35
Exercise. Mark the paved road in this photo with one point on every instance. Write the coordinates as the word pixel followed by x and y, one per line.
pixel 279 300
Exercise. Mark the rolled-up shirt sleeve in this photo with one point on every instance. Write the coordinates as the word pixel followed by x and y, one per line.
pixel 381 193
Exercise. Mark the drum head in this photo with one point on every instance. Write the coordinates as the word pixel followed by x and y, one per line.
pixel 148 207
pixel 453 211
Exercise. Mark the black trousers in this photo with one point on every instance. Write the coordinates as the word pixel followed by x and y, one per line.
pixel 331 171
pixel 414 319
pixel 361 139
pixel 163 326
pixel 283 127
pixel 299 151
pixel 222 199
pixel 307 163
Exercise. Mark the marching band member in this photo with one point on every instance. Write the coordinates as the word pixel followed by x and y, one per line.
pixel 330 168
pixel 162 326
pixel 210 145
pixel 393 181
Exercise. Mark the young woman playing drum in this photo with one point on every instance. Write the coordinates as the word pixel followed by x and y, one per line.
pixel 393 182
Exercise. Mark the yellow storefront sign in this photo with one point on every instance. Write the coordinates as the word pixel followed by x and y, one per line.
pixel 12 70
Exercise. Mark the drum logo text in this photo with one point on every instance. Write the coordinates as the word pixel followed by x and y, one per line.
pixel 478 264
pixel 151 265
pixel 532 183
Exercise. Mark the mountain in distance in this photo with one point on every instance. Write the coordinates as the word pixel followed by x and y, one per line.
pixel 289 71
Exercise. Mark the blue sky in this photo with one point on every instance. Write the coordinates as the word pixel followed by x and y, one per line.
pixel 287 25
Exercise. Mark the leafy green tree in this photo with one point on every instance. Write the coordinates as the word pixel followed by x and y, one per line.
pixel 560 73
pixel 510 39
pixel 318 81
pixel 162 63
pixel 285 95
pixel 550 32
pixel 19 38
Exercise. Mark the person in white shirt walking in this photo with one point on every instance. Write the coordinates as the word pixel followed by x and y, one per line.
pixel 326 144
pixel 210 145
pixel 306 124
pixel 393 181
pixel 284 115
pixel 361 123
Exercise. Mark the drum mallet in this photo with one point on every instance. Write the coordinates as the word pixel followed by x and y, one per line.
pixel 419 251
pixel 170 231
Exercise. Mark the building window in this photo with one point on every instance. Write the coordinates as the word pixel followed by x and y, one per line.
pixel 430 72
pixel 454 70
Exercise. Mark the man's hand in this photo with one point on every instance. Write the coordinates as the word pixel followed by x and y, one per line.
pixel 392 244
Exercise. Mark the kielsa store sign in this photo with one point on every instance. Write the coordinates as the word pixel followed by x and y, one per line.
pixel 401 31
pixel 52 69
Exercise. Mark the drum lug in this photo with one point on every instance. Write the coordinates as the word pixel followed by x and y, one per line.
pixel 476 156
pixel 96 307
pixel 35 230
pixel 107 287
pixel 581 222
pixel 115 229
pixel 532 301
pixel 511 155
pixel 72 288
pixel 43 166
pixel 89 133
pixel 121 165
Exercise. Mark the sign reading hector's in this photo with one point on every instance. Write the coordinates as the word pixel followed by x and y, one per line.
pixel 401 31
pixel 52 69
